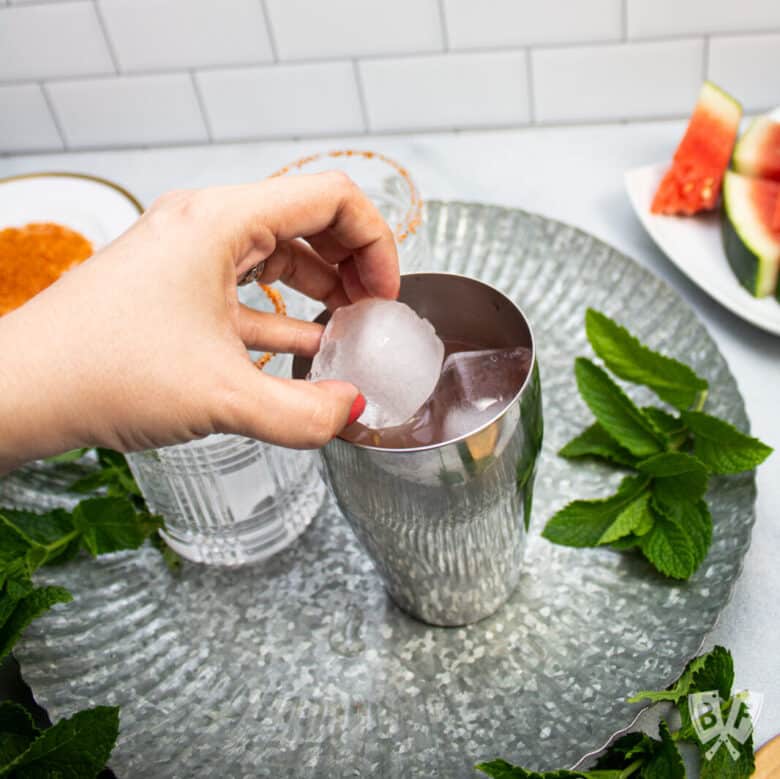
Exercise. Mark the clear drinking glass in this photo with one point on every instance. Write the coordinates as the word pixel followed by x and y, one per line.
pixel 230 500
pixel 389 186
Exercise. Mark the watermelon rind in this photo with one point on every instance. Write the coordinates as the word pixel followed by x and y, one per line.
pixel 747 153
pixel 720 102
pixel 751 248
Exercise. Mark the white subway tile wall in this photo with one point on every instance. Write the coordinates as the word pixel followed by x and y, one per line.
pixel 624 80
pixel 748 67
pixel 488 89
pixel 118 73
pixel 52 41
pixel 490 23
pixel 25 121
pixel 283 100
pixel 654 18
pixel 353 28
pixel 168 34
pixel 128 110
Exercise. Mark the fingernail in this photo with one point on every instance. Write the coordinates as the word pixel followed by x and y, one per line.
pixel 358 407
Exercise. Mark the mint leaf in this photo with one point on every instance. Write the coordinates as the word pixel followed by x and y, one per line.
pixel 171 559
pixel 657 759
pixel 25 610
pixel 626 750
pixel 113 477
pixel 677 476
pixel 721 764
pixel 715 671
pixel 500 769
pixel 693 519
pixel 669 548
pixel 17 731
pixel 67 457
pixel 711 671
pixel 90 482
pixel 688 487
pixel 13 551
pixel 667 423
pixel 723 448
pixel 615 411
pixel 666 762
pixel 631 360
pixel 630 541
pixel 584 522
pixel 51 536
pixel 635 519
pixel 724 766
pixel 110 524
pixel 595 441
pixel 671 464
pixel 71 749
pixel 42 529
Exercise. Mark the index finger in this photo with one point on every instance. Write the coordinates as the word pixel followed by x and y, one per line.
pixel 299 206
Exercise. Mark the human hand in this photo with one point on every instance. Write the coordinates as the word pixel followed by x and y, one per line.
pixel 145 344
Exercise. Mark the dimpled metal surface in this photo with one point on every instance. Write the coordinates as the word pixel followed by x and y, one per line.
pixel 302 666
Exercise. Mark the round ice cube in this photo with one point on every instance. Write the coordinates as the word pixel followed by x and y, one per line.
pixel 390 354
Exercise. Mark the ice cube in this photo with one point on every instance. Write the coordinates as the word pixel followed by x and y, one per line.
pixel 459 420
pixel 393 356
pixel 484 377
pixel 475 386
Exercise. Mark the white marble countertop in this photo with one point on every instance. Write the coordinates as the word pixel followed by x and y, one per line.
pixel 571 174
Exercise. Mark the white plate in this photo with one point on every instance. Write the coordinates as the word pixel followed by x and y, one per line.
pixel 693 244
pixel 98 209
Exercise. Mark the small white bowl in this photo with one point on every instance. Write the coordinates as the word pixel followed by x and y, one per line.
pixel 693 244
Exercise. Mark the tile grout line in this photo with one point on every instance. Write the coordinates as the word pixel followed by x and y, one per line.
pixel 201 106
pixel 502 49
pixel 253 139
pixel 270 30
pixel 624 20
pixel 529 70
pixel 109 43
pixel 50 105
pixel 361 96
pixel 445 33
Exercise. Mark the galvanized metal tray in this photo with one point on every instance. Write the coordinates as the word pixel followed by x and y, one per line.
pixel 303 667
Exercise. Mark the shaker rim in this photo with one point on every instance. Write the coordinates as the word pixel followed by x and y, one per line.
pixel 515 398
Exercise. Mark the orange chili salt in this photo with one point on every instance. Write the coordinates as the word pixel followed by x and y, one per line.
pixel 33 257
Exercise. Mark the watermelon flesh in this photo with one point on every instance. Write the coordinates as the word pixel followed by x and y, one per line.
pixel 758 150
pixel 776 217
pixel 693 182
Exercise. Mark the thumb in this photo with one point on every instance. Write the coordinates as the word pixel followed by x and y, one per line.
pixel 291 412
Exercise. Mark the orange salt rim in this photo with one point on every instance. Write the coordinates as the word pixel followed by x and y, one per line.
pixel 277 301
pixel 413 217
pixel 33 257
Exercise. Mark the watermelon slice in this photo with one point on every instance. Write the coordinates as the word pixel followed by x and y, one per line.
pixel 752 245
pixel 758 151
pixel 693 182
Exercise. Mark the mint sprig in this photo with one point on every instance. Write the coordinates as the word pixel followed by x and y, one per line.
pixel 112 518
pixel 628 425
pixel 673 381
pixel 660 512
pixel 640 756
